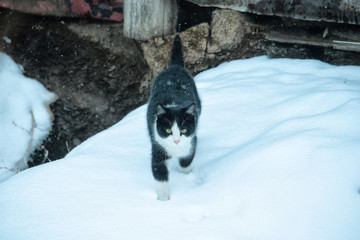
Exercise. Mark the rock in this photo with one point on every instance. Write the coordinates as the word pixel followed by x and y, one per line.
pixel 202 49
pixel 228 28
pixel 194 40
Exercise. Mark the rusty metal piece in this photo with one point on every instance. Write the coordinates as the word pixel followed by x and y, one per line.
pixel 340 11
pixel 100 9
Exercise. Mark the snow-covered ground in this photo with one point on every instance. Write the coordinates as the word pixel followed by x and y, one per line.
pixel 278 158
pixel 25 117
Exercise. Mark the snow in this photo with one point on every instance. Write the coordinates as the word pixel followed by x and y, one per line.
pixel 7 40
pixel 277 158
pixel 25 119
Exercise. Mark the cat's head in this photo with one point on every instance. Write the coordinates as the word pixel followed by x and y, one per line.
pixel 175 124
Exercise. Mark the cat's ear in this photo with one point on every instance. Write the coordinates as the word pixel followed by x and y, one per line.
pixel 160 110
pixel 190 109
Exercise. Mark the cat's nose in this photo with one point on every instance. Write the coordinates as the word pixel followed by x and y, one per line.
pixel 176 141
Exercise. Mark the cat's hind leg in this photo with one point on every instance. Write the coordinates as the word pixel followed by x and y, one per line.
pixel 160 172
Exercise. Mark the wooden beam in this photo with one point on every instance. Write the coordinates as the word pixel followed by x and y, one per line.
pixel 335 44
pixel 144 19
pixel 339 11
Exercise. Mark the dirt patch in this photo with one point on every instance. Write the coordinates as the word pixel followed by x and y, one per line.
pixel 98 82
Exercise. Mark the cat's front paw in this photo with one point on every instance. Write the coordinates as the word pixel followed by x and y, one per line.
pixel 162 190
pixel 163 197
pixel 185 170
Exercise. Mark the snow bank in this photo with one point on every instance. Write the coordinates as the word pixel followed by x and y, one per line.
pixel 25 117
pixel 278 158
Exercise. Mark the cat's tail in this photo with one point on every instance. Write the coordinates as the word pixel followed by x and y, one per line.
pixel 177 57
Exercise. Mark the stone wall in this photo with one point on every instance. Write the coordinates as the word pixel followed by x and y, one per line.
pixel 205 45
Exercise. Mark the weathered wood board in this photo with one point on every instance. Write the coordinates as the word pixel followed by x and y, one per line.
pixel 144 19
pixel 340 11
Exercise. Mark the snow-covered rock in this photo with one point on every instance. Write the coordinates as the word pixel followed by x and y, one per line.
pixel 25 116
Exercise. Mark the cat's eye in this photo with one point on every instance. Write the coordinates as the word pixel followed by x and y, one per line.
pixel 183 131
pixel 168 131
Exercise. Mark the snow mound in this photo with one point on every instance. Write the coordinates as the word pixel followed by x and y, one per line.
pixel 278 158
pixel 25 117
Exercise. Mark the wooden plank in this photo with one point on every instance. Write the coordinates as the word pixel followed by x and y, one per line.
pixel 347 46
pixel 335 44
pixel 144 19
pixel 340 11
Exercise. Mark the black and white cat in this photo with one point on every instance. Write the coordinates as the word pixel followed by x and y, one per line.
pixel 172 117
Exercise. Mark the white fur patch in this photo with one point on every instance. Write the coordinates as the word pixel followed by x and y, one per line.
pixel 182 149
pixel 171 105
pixel 186 170
pixel 162 190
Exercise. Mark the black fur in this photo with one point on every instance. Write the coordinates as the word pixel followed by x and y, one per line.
pixel 177 57
pixel 173 97
pixel 159 169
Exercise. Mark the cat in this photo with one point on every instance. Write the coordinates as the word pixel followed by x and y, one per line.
pixel 172 117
